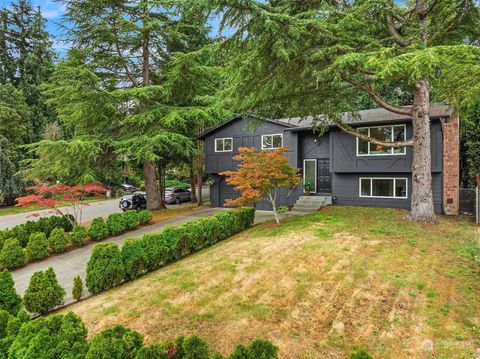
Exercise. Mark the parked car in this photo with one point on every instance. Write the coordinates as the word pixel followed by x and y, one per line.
pixel 177 195
pixel 136 201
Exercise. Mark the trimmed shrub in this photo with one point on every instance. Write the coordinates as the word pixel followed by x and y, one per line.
pixel 12 254
pixel 37 247
pixel 134 258
pixel 77 290
pixel 154 351
pixel 57 336
pixel 115 343
pixel 10 301
pixel 145 216
pixel 105 268
pixel 4 318
pixel 43 293
pixel 261 349
pixel 115 224
pixel 361 354
pixel 78 236
pixel 98 229
pixel 157 249
pixel 21 234
pixel 195 348
pixel 58 240
pixel 131 219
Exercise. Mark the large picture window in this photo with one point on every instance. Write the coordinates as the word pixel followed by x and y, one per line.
pixel 384 133
pixel 383 187
pixel 271 142
pixel 223 144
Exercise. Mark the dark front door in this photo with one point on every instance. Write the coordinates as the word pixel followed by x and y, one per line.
pixel 323 176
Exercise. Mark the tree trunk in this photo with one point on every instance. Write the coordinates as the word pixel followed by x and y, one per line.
pixel 200 173
pixel 153 195
pixel 192 181
pixel 422 209
pixel 161 186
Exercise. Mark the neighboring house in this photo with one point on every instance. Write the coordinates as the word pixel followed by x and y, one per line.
pixel 340 166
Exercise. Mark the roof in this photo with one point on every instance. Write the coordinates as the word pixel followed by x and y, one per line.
pixel 221 124
pixel 372 116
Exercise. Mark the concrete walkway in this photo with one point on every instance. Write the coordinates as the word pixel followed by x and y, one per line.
pixel 73 263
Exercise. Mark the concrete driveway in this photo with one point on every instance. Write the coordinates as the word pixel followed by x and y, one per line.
pixel 95 209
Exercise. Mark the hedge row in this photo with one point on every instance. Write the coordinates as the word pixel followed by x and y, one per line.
pixel 17 252
pixel 109 266
pixel 45 225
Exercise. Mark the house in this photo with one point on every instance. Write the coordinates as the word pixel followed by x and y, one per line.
pixel 341 167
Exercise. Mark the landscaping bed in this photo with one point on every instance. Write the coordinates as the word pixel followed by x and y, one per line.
pixel 323 285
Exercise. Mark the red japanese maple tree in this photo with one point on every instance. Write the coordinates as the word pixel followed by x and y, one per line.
pixel 51 196
pixel 259 175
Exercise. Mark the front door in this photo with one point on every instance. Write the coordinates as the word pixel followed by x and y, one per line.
pixel 323 177
pixel 310 174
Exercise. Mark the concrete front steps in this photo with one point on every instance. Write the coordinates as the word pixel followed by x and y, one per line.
pixel 311 203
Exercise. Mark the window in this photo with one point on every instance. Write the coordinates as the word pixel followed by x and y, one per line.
pixel 223 144
pixel 383 187
pixel 383 133
pixel 271 142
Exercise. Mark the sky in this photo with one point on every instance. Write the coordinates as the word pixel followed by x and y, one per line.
pixel 53 11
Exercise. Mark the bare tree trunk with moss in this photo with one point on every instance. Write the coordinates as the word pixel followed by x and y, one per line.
pixel 422 208
pixel 153 195
pixel 200 169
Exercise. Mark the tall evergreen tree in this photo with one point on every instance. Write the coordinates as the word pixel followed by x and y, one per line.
pixel 314 57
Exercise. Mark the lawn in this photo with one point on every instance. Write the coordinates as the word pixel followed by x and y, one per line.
pixel 319 286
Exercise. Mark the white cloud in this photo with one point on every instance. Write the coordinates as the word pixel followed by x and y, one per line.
pixel 52 13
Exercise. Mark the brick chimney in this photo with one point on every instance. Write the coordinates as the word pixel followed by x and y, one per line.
pixel 451 165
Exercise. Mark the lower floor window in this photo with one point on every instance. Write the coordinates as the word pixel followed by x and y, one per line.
pixel 383 187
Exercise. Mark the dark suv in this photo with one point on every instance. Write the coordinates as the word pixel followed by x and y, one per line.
pixel 136 201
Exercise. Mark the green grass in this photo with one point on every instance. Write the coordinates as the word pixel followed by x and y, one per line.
pixel 391 283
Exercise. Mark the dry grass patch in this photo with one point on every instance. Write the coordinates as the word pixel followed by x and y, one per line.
pixel 321 285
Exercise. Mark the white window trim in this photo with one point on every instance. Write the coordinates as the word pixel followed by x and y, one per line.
pixel 381 154
pixel 273 134
pixel 223 140
pixel 316 165
pixel 382 178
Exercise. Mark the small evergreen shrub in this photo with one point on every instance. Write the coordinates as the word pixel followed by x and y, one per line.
pixel 10 301
pixel 154 351
pixel 78 236
pixel 157 250
pixel 145 216
pixel 134 258
pixel 77 290
pixel 56 336
pixel 115 224
pixel 361 354
pixel 105 268
pixel 117 342
pixel 98 229
pixel 131 219
pixel 4 318
pixel 58 240
pixel 12 254
pixel 37 247
pixel 44 293
pixel 257 349
pixel 195 348
pixel 21 234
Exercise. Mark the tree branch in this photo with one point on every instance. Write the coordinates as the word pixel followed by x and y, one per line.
pixel 351 131
pixel 377 98
pixel 394 32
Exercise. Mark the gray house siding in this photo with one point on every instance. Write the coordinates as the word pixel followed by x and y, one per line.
pixel 345 191
pixel 336 148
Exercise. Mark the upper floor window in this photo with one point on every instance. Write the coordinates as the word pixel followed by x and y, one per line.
pixel 223 144
pixel 271 142
pixel 383 133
